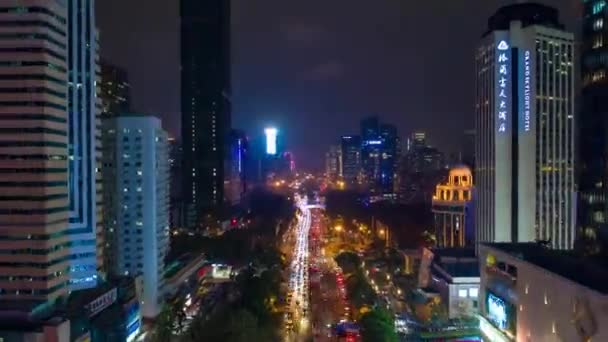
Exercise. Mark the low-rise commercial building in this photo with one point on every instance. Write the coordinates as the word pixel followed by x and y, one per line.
pixel 531 293
pixel 453 273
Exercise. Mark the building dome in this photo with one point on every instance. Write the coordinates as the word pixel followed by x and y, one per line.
pixel 461 175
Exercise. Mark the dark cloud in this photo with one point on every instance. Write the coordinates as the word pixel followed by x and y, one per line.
pixel 302 33
pixel 327 71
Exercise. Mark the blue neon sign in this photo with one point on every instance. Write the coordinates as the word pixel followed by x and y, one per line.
pixel 502 78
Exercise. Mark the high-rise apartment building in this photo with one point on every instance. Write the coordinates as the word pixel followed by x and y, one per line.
pixel 136 194
pixel 34 193
pixel 593 125
pixel 205 103
pixel 85 228
pixel 114 90
pixel 351 158
pixel 525 66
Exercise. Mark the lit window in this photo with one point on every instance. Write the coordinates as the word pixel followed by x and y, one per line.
pixel 598 24
pixel 598 41
pixel 473 292
pixel 598 7
pixel 462 293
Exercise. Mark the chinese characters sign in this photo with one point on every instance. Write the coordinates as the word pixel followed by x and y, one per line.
pixel 527 90
pixel 502 79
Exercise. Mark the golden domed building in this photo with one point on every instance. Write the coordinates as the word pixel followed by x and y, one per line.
pixel 452 209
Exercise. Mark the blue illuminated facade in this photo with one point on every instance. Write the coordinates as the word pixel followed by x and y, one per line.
pixel 82 141
pixel 378 155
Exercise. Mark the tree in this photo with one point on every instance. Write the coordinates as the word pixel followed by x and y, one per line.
pixel 378 326
pixel 164 325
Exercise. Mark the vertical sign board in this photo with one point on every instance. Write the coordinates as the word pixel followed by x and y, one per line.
pixel 526 136
pixel 503 120
pixel 526 90
pixel 503 82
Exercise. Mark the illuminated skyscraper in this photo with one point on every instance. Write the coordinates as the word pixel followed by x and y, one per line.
pixel 593 124
pixel 114 90
pixel 351 158
pixel 525 128
pixel 333 162
pixel 34 194
pixel 205 104
pixel 86 233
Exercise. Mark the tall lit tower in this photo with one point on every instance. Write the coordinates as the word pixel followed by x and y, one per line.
pixel 35 238
pixel 525 128
pixel 593 124
pixel 205 103
pixel 85 229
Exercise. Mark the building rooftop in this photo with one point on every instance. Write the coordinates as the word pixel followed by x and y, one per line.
pixel 460 269
pixel 528 14
pixel 587 271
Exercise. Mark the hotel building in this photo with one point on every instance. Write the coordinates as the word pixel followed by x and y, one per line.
pixel 525 69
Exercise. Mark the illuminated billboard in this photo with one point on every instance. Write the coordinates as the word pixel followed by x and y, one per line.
pixel 501 314
pixel 271 140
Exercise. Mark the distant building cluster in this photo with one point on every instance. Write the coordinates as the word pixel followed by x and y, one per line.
pixel 379 162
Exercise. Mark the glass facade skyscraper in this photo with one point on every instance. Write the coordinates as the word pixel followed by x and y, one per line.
pixel 593 125
pixel 205 103
pixel 85 228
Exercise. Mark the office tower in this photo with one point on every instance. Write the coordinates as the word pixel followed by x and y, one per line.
pixel 416 140
pixel 351 158
pixel 467 149
pixel 388 158
pixel 205 103
pixel 525 131
pixel 593 126
pixel 236 182
pixel 452 209
pixel 370 128
pixel 34 199
pixel 114 90
pixel 378 153
pixel 85 226
pixel 371 152
pixel 136 194
pixel 333 161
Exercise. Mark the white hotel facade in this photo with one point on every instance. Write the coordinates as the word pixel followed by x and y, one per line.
pixel 524 117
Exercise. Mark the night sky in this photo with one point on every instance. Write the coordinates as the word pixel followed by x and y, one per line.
pixel 314 68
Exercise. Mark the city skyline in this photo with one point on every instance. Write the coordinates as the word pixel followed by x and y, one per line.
pixel 294 67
